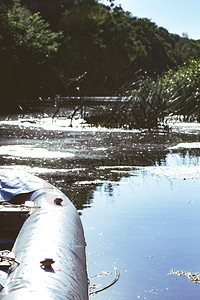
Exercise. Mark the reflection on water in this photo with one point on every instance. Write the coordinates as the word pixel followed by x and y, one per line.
pixel 137 194
pixel 145 226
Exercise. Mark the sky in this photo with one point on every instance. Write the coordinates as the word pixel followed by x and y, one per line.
pixel 177 16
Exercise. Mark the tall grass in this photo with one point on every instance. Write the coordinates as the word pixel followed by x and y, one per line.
pixel 175 93
pixel 185 83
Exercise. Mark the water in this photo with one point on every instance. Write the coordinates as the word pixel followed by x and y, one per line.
pixel 145 226
pixel 137 194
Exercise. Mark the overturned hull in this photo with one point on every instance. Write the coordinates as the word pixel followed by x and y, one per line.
pixel 49 252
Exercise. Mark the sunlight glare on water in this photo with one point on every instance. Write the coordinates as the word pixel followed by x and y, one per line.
pixel 145 226
pixel 138 201
pixel 31 151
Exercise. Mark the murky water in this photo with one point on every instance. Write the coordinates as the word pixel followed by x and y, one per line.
pixel 137 194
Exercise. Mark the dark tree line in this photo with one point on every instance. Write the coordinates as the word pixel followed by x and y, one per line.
pixel 56 46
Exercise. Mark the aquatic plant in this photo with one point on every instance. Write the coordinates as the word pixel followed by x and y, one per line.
pixel 151 101
pixel 144 107
pixel 185 83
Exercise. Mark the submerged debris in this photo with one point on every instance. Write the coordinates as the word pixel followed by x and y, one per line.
pixel 195 277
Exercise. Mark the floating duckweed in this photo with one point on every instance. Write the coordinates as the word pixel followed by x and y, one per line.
pixel 195 277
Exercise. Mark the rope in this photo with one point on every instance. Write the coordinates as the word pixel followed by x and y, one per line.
pixel 4 256
pixel 22 206
pixel 117 274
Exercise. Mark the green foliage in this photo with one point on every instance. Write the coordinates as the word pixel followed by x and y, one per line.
pixel 175 93
pixel 109 45
pixel 103 43
pixel 185 83
pixel 185 48
pixel 144 107
pixel 31 33
pixel 147 105
pixel 157 47
pixel 26 51
pixel 100 51
pixel 52 10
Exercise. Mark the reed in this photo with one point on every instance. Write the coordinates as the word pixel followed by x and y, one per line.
pixel 151 101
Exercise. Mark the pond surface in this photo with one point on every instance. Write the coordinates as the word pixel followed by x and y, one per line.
pixel 137 193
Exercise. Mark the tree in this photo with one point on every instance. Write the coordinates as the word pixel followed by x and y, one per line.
pixel 100 42
pixel 26 51
pixel 52 10
pixel 100 51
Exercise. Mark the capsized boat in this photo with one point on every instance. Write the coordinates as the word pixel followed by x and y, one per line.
pixel 47 260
